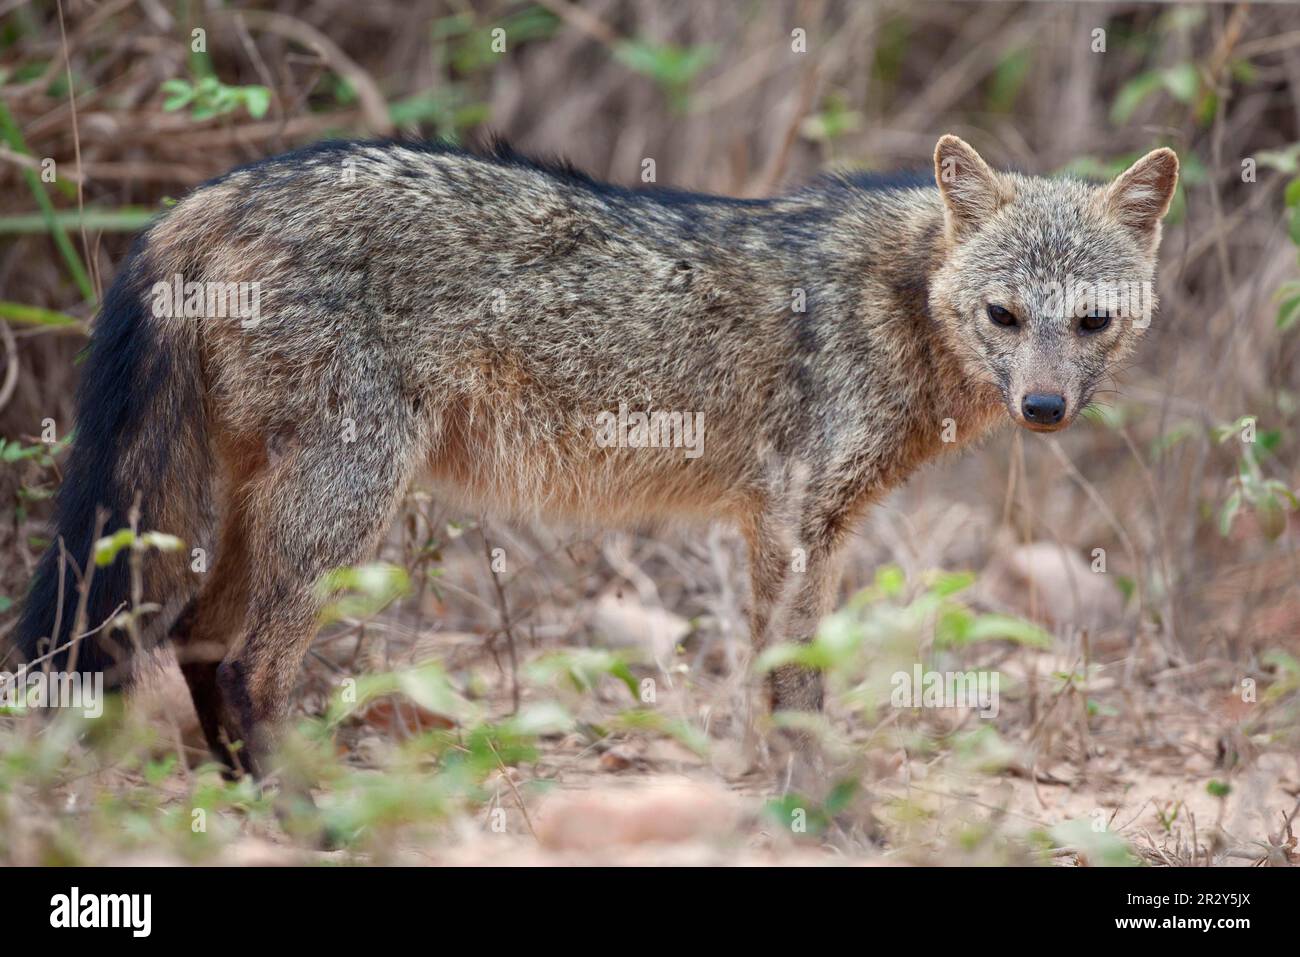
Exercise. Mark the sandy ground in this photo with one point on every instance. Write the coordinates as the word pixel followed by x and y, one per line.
pixel 1138 768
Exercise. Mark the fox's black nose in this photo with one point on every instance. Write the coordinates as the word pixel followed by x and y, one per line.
pixel 1043 409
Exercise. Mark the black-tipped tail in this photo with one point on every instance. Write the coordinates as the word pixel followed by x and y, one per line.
pixel 139 399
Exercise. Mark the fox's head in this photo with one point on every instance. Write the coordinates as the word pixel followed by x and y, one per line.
pixel 1047 283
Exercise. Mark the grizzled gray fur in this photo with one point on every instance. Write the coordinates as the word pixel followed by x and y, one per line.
pixel 424 314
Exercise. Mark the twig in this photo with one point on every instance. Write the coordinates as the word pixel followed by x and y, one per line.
pixel 582 20
pixel 505 773
pixel 11 364
pixel 503 609
pixel 373 105
pixel 76 148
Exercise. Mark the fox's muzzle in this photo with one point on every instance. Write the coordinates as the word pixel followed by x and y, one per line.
pixel 1042 412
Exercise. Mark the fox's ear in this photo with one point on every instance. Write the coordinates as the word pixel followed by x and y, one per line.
pixel 971 191
pixel 1140 196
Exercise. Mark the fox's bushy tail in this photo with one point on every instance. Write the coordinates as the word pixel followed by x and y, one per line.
pixel 139 435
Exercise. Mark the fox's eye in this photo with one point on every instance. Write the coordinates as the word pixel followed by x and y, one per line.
pixel 1095 321
pixel 1001 316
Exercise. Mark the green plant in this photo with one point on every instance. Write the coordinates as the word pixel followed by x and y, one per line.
pixel 1269 498
pixel 210 97
pixel 42 455
pixel 672 67
pixel 1288 294
pixel 361 591
pixel 882 620
pixel 834 120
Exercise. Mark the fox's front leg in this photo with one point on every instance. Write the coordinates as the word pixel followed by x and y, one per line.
pixel 794 574
pixel 792 588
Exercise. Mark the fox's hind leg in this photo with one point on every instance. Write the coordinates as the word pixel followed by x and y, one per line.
pixel 201 678
pixel 204 631
pixel 325 504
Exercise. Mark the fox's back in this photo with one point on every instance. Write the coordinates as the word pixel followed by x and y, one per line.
pixel 511 305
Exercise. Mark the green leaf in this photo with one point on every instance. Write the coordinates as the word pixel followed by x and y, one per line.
pixel 583 667
pixel 452 25
pixel 36 316
pixel 954 626
pixel 257 100
pixel 991 627
pixel 1292 194
pixel 423 107
pixel 1271 516
pixel 790 807
pixel 950 583
pixel 1243 71
pixel 367 589
pixel 179 94
pixel 1288 312
pixel 16 452
pixel 1102 848
pixel 1284 160
pixel 841 796
pixel 1008 79
pixel 543 717
pixel 890 581
pixel 1179 433
pixel 155 772
pixel 429 687
pixel 106 549
pixel 1229 512
pixel 811 655
pixel 834 120
pixel 1132 95
pixel 672 67
pixel 127 219
pixel 1111 416
pixel 1182 81
pixel 161 541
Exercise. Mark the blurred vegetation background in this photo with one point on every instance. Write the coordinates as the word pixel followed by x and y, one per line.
pixel 720 98
pixel 1184 477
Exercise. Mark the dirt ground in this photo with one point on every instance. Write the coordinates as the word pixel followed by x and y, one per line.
pixel 1138 758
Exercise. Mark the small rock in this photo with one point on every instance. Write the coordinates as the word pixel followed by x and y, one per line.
pixel 622 621
pixel 670 812
pixel 1054 586
pixel 161 698
pixel 617 758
